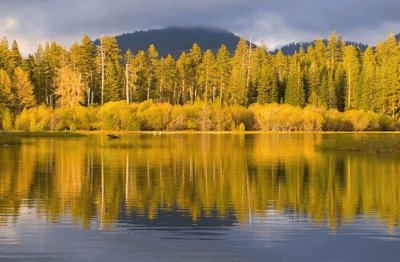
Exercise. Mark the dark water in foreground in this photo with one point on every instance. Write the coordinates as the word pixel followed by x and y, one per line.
pixel 196 197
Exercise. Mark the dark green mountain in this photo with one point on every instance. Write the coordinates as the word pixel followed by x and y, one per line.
pixel 291 48
pixel 175 40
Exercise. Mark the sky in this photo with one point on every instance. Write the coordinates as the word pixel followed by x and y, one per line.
pixel 272 22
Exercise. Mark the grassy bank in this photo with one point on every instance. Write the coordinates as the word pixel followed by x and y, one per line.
pixel 367 143
pixel 41 134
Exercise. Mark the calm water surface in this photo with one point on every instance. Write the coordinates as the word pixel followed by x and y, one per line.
pixel 196 197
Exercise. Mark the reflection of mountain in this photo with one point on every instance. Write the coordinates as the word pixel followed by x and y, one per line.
pixel 196 180
pixel 177 219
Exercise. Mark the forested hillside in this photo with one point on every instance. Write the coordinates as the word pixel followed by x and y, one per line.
pixel 334 76
pixel 292 48
pixel 175 40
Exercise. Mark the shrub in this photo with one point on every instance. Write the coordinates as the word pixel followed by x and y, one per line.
pixel 361 120
pixel 154 116
pixel 118 116
pixel 35 119
pixel 7 121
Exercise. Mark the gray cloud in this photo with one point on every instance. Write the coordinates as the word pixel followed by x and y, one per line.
pixel 274 22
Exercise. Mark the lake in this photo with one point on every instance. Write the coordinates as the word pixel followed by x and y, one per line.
pixel 197 197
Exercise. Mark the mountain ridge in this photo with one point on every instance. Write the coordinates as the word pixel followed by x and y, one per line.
pixel 183 39
pixel 206 37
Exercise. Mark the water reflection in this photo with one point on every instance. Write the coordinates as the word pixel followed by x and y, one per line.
pixel 185 180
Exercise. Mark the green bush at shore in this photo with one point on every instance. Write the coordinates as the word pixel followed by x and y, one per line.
pixel 199 116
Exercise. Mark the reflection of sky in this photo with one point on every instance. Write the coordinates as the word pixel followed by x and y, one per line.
pixel 272 237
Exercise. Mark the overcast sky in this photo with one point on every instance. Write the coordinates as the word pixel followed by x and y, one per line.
pixel 274 22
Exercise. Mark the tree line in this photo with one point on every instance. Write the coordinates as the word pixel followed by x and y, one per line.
pixel 329 74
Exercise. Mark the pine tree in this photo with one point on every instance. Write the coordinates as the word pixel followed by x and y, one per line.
pixel 23 89
pixel 128 83
pixel 259 60
pixel 153 65
pixel 265 78
pixel 223 71
pixel 112 85
pixel 331 91
pixel 314 81
pixel 109 69
pixel 4 54
pixel 195 56
pixel 83 59
pixel 267 91
pixel 340 82
pixel 6 94
pixel 295 93
pixel 315 73
pixel 183 65
pixel 281 65
pixel 388 88
pixel 334 51
pixel 352 66
pixel 15 58
pixel 70 89
pixel 237 90
pixel 168 81
pixel 368 81
pixel 138 76
pixel 208 79
pixel 53 57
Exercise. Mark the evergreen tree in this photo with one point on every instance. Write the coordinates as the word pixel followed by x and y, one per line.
pixel 6 94
pixel 4 54
pixel 315 73
pixel 128 83
pixel 223 71
pixel 38 75
pixel 23 89
pixel 153 69
pixel 109 69
pixel 331 91
pixel 138 76
pixel 237 90
pixel 208 79
pixel 53 57
pixel 265 78
pixel 388 88
pixel 168 81
pixel 83 59
pixel 352 66
pixel 195 56
pixel 281 65
pixel 334 52
pixel 112 84
pixel 15 58
pixel 368 81
pixel 295 93
pixel 267 89
pixel 70 89
pixel 183 65
pixel 340 87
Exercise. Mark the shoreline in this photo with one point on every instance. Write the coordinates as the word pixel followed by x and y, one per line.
pixel 105 132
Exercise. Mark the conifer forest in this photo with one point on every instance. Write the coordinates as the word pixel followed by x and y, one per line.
pixel 331 86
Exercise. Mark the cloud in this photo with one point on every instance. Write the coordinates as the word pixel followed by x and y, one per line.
pixel 274 22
